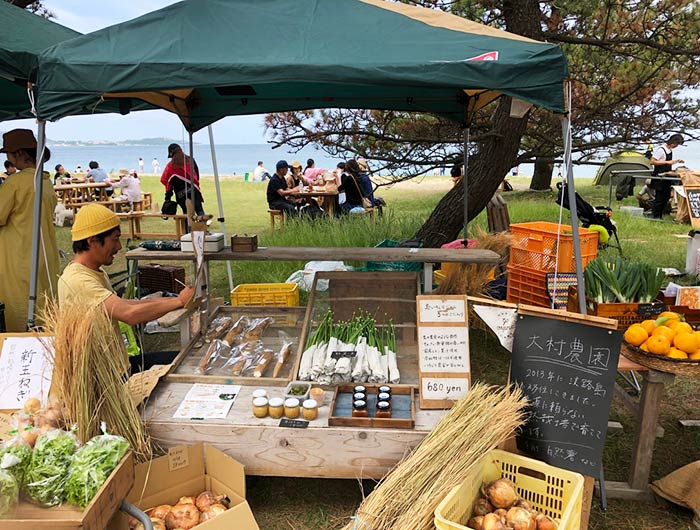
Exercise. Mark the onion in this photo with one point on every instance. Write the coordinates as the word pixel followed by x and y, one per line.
pixel 522 503
pixel 30 436
pixel 53 417
pixel 493 522
pixel 211 511
pixel 183 516
pixel 159 512
pixel 502 493
pixel 476 523
pixel 482 506
pixel 501 512
pixel 206 499
pixel 545 523
pixel 32 405
pixel 520 519
pixel 158 524
pixel 186 500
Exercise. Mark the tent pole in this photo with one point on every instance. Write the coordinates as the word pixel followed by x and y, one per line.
pixel 465 184
pixel 220 202
pixel 36 227
pixel 191 149
pixel 566 134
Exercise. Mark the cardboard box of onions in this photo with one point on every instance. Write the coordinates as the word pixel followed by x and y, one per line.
pixel 194 485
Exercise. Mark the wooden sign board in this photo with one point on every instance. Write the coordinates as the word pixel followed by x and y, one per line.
pixel 566 369
pixel 692 194
pixel 443 350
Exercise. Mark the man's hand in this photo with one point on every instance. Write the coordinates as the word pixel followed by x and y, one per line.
pixel 678 161
pixel 185 295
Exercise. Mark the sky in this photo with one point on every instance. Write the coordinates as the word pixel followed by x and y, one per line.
pixel 86 16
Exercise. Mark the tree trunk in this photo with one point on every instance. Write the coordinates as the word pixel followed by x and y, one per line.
pixel 497 153
pixel 542 177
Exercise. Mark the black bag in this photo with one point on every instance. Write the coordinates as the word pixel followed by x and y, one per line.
pixel 169 207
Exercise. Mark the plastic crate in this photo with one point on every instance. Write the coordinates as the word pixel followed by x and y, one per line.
pixel 553 491
pixel 392 265
pixel 535 245
pixel 271 294
pixel 527 286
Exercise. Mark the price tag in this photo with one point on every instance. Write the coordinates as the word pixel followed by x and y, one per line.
pixel 294 424
pixel 178 458
pixel 650 310
pixel 447 388
pixel 351 354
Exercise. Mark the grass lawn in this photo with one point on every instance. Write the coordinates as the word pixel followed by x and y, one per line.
pixel 300 504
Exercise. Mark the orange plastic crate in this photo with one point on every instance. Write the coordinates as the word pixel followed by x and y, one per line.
pixel 534 245
pixel 527 286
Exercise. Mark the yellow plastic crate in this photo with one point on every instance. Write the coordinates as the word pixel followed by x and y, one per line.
pixel 274 294
pixel 553 491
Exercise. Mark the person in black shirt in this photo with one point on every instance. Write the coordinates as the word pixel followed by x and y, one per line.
pixel 662 161
pixel 350 184
pixel 278 191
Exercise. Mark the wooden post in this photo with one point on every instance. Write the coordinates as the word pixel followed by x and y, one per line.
pixel 588 483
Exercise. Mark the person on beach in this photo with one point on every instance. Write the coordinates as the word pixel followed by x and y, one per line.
pixel 662 161
pixel 178 178
pixel 141 165
pixel 60 175
pixel 260 174
pixel 97 174
pixel 156 166
pixel 16 229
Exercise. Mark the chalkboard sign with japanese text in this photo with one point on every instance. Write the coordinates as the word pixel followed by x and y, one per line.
pixel 443 350
pixel 692 193
pixel 567 371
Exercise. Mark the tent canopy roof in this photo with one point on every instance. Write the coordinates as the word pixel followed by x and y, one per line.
pixel 206 59
pixel 621 161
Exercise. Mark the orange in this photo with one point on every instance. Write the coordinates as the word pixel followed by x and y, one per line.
pixel 686 342
pixel 644 347
pixel 675 353
pixel 671 315
pixel 679 327
pixel 635 335
pixel 658 344
pixel 648 326
pixel 664 331
pixel 695 356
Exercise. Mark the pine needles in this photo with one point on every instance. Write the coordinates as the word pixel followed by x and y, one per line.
pixel 90 365
pixel 407 497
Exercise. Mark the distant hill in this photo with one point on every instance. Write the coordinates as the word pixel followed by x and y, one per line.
pixel 81 143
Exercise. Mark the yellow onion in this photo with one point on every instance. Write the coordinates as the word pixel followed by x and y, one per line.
pixel 476 523
pixel 183 516
pixel 206 499
pixel 189 499
pixel 522 503
pixel 545 523
pixel 158 524
pixel 493 522
pixel 32 405
pixel 211 511
pixel 502 493
pixel 159 512
pixel 501 512
pixel 520 519
pixel 482 506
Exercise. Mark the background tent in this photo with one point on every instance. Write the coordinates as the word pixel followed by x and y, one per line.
pixel 206 59
pixel 621 161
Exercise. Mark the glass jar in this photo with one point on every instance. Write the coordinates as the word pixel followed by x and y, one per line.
pixel 359 396
pixel 259 393
pixel 384 389
pixel 317 394
pixel 309 409
pixel 360 388
pixel 260 407
pixel 383 409
pixel 359 409
pixel 276 408
pixel 383 396
pixel 291 408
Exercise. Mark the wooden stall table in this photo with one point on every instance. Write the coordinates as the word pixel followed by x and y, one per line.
pixel 328 197
pixel 78 194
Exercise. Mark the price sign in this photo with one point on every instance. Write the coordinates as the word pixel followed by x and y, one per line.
pixel 26 368
pixel 693 195
pixel 294 424
pixel 443 350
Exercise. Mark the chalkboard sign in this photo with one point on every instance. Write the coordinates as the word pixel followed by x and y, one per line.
pixel 692 193
pixel 567 371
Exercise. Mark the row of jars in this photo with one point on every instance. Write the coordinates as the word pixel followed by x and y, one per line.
pixel 289 408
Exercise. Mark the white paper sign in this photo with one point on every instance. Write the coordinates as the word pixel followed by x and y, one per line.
pixel 443 388
pixel 444 349
pixel 25 371
pixel 449 310
pixel 207 402
pixel 501 320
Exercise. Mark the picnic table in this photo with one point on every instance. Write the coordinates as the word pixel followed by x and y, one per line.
pixel 71 194
pixel 328 202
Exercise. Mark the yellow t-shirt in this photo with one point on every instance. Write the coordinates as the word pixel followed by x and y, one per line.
pixel 79 282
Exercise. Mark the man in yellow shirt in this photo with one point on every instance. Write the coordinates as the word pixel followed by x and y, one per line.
pixel 95 236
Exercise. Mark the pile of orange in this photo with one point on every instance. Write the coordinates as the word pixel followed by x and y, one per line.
pixel 667 336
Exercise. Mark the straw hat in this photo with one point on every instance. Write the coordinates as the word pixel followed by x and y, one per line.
pixel 18 139
pixel 93 219
pixel 295 163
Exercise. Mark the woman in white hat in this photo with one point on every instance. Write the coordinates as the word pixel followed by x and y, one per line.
pixel 16 224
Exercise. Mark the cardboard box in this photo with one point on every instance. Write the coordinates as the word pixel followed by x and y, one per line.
pixel 189 470
pixel 95 517
pixel 212 242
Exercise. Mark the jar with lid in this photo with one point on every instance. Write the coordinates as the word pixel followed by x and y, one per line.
pixel 260 407
pixel 359 396
pixel 360 388
pixel 291 408
pixel 383 396
pixel 316 393
pixel 276 408
pixel 384 389
pixel 383 409
pixel 359 409
pixel 309 409
pixel 259 393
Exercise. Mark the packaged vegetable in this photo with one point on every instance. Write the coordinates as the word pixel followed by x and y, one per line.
pixel 91 466
pixel 9 492
pixel 48 469
pixel 15 456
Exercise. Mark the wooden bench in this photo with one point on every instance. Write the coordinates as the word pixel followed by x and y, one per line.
pixel 274 214
pixel 136 232
pixel 115 206
pixel 147 200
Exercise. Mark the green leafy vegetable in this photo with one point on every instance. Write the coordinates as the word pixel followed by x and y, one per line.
pixel 15 456
pixel 91 466
pixel 48 470
pixel 621 281
pixel 9 492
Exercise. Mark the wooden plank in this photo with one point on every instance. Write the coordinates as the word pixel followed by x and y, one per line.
pixel 588 484
pixel 689 423
pixel 622 490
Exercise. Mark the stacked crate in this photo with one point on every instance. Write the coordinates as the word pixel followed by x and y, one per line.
pixel 539 248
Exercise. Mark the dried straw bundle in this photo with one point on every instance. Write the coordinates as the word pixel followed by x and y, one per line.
pixel 407 497
pixel 90 363
pixel 473 278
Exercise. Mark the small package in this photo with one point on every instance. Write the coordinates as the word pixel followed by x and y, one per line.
pixel 212 242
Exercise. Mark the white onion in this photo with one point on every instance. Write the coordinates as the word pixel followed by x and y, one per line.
pixel 183 516
pixel 211 511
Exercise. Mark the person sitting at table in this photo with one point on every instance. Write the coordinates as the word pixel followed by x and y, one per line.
pixel 294 177
pixel 367 187
pixel 279 193
pixel 130 188
pixel 97 174
pixel 61 175
pixel 350 186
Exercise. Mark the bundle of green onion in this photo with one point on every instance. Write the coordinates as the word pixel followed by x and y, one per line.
pixel 621 281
